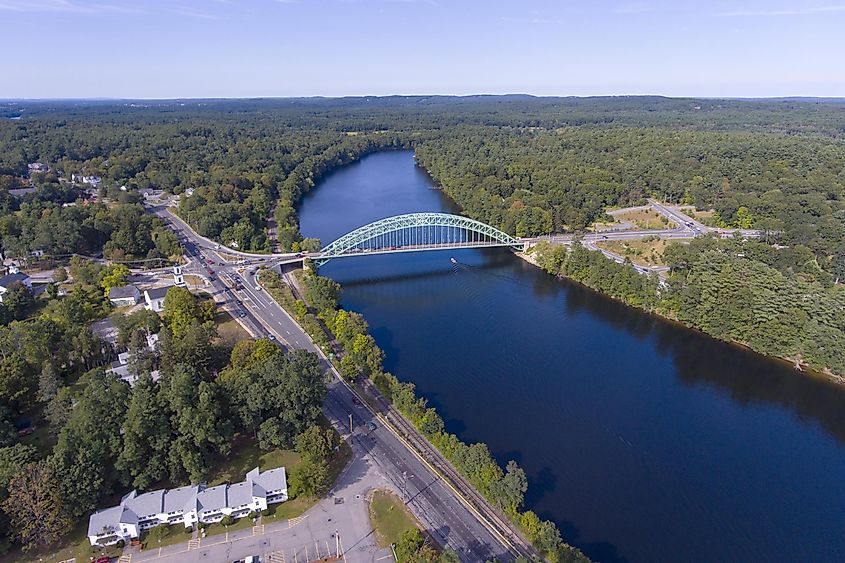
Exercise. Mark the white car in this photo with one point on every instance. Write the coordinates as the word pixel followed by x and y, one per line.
pixel 257 288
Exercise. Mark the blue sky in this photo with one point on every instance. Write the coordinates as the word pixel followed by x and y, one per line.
pixel 238 48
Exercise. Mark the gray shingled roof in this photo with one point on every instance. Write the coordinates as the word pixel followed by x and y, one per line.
pixel 212 499
pixel 9 279
pixel 271 480
pixel 147 504
pixel 157 292
pixel 135 507
pixel 177 499
pixel 123 292
pixel 239 494
pixel 109 518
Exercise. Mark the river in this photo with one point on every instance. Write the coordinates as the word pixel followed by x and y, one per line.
pixel 642 440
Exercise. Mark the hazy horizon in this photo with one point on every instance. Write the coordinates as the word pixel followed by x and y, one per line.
pixel 193 49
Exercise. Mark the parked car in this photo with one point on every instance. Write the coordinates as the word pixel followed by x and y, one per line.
pixel 371 425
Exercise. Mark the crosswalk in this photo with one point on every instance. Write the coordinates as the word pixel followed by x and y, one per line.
pixel 125 558
pixel 194 543
pixel 294 521
pixel 258 530
pixel 276 557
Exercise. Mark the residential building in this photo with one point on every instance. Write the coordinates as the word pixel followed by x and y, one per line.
pixel 154 298
pixel 187 506
pixel 9 279
pixel 124 296
pixel 120 367
pixel 90 180
pixel 37 167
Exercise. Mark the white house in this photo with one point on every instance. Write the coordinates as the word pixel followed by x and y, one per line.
pixel 90 180
pixel 124 296
pixel 121 367
pixel 154 298
pixel 187 506
pixel 9 279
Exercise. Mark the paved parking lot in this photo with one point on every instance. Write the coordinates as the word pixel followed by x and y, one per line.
pixel 336 529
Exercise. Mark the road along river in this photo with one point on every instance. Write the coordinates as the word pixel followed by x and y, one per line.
pixel 644 441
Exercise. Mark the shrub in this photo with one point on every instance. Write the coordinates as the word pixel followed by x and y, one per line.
pixel 227 520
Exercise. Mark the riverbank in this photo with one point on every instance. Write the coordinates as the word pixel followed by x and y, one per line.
pixel 469 470
pixel 798 366
pixel 642 441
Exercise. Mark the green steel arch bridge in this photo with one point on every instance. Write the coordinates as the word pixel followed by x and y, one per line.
pixel 414 232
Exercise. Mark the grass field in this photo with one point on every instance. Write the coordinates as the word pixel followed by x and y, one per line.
pixel 644 219
pixel 390 517
pixel 641 252
pixel 239 524
pixel 229 330
pixel 170 535
pixel 246 456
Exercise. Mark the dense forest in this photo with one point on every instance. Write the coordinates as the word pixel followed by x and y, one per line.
pixel 533 182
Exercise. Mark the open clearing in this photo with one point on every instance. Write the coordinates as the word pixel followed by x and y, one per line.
pixel 390 517
pixel 641 252
pixel 635 219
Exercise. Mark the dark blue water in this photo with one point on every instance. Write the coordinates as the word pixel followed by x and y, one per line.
pixel 644 441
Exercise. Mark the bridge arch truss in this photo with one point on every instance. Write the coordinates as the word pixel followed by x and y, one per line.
pixel 415 232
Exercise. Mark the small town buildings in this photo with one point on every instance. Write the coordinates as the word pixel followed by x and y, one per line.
pixel 7 280
pixel 90 180
pixel 11 266
pixel 124 296
pixel 37 167
pixel 187 506
pixel 120 367
pixel 154 298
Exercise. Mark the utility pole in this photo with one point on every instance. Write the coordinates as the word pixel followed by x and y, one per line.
pixel 337 543
pixel 350 423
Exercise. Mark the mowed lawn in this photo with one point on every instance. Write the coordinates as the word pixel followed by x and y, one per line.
pixel 229 330
pixel 390 517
